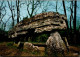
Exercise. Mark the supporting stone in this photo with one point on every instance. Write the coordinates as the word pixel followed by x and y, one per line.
pixel 55 43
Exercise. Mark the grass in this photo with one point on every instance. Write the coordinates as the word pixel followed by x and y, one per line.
pixel 30 52
pixel 24 50
pixel 1 42
pixel 10 44
pixel 35 52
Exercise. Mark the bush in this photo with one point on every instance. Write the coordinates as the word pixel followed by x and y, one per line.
pixel 10 44
pixel 42 38
pixel 3 35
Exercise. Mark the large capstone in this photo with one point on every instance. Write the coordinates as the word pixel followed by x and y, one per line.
pixel 55 42
pixel 39 23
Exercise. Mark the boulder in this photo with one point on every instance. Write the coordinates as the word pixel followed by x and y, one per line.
pixel 27 45
pixel 30 47
pixel 39 23
pixel 36 48
pixel 55 42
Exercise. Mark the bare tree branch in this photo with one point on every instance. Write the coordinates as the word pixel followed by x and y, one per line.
pixel 11 9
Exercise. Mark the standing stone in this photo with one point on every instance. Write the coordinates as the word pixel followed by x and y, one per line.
pixel 55 43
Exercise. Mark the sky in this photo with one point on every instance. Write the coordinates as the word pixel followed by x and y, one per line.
pixel 48 6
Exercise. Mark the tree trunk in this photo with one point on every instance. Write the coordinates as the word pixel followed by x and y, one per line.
pixel 71 17
pixel 18 10
pixel 56 5
pixel 64 7
pixel 65 14
pixel 74 21
pixel 12 14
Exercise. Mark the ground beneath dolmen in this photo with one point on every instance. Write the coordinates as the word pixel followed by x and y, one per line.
pixel 7 50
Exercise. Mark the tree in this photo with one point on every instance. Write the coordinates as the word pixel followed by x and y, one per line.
pixel 64 7
pixel 71 16
pixel 18 10
pixel 45 6
pixel 11 7
pixel 74 21
pixel 56 5
pixel 2 13
pixel 63 2
pixel 32 5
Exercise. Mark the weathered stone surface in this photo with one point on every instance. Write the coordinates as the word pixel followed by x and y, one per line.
pixel 30 46
pixel 55 42
pixel 41 22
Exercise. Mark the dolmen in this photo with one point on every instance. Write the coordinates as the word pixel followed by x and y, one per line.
pixel 43 22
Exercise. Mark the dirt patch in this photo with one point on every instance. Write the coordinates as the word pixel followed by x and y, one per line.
pixel 74 49
pixel 6 51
